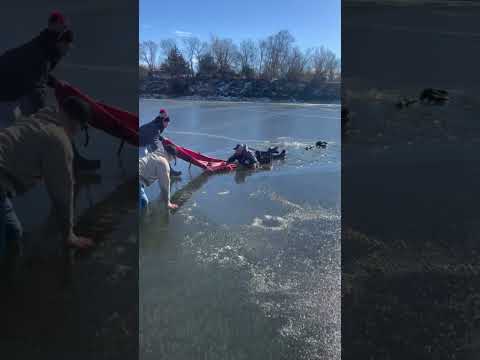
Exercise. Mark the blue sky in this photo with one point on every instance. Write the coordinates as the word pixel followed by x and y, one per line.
pixel 312 22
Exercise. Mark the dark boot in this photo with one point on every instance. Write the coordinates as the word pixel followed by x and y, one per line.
pixel 280 156
pixel 174 173
pixel 273 150
pixel 82 164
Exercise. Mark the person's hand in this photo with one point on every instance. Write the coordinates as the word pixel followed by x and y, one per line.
pixel 172 206
pixel 79 242
pixel 51 81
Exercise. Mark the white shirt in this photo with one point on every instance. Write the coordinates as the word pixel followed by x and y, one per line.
pixel 154 166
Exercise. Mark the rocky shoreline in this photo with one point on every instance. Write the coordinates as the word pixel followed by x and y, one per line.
pixel 241 90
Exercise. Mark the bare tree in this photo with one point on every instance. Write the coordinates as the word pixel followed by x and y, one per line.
pixel 224 53
pixel 261 57
pixel 326 65
pixel 149 55
pixel 193 49
pixel 275 57
pixel 206 66
pixel 297 64
pixel 167 45
pixel 247 57
pixel 277 47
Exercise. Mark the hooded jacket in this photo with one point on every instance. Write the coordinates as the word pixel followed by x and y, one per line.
pixel 37 149
pixel 245 158
pixel 24 70
pixel 149 132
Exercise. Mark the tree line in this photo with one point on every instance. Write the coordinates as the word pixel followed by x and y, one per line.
pixel 276 57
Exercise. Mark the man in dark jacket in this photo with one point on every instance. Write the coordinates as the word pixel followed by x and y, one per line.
pixel 252 158
pixel 244 156
pixel 150 134
pixel 25 73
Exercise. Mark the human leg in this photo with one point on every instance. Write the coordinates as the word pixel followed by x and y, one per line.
pixel 10 238
pixel 7 113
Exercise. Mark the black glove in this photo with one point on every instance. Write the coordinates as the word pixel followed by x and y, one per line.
pixel 171 150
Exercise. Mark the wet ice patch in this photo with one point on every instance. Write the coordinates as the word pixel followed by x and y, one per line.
pixel 290 265
pixel 189 219
pixel 270 222
pixel 223 256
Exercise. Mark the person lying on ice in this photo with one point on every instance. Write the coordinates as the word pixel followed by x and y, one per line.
pixel 155 167
pixel 252 158
pixel 150 133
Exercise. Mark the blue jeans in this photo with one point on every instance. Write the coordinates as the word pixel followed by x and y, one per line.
pixel 10 228
pixel 143 197
pixel 7 113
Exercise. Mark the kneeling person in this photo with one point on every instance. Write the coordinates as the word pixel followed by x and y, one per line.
pixel 155 167
pixel 36 149
pixel 151 133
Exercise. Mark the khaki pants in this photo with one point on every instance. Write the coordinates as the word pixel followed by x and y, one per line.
pixel 164 179
pixel 158 168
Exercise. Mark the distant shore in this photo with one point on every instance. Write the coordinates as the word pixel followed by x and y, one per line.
pixel 234 99
pixel 242 90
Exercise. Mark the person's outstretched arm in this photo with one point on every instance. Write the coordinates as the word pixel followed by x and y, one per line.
pixel 162 169
pixel 57 171
pixel 232 159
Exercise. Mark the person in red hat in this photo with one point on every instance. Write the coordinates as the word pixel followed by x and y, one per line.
pixel 25 74
pixel 57 22
pixel 150 134
pixel 25 70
